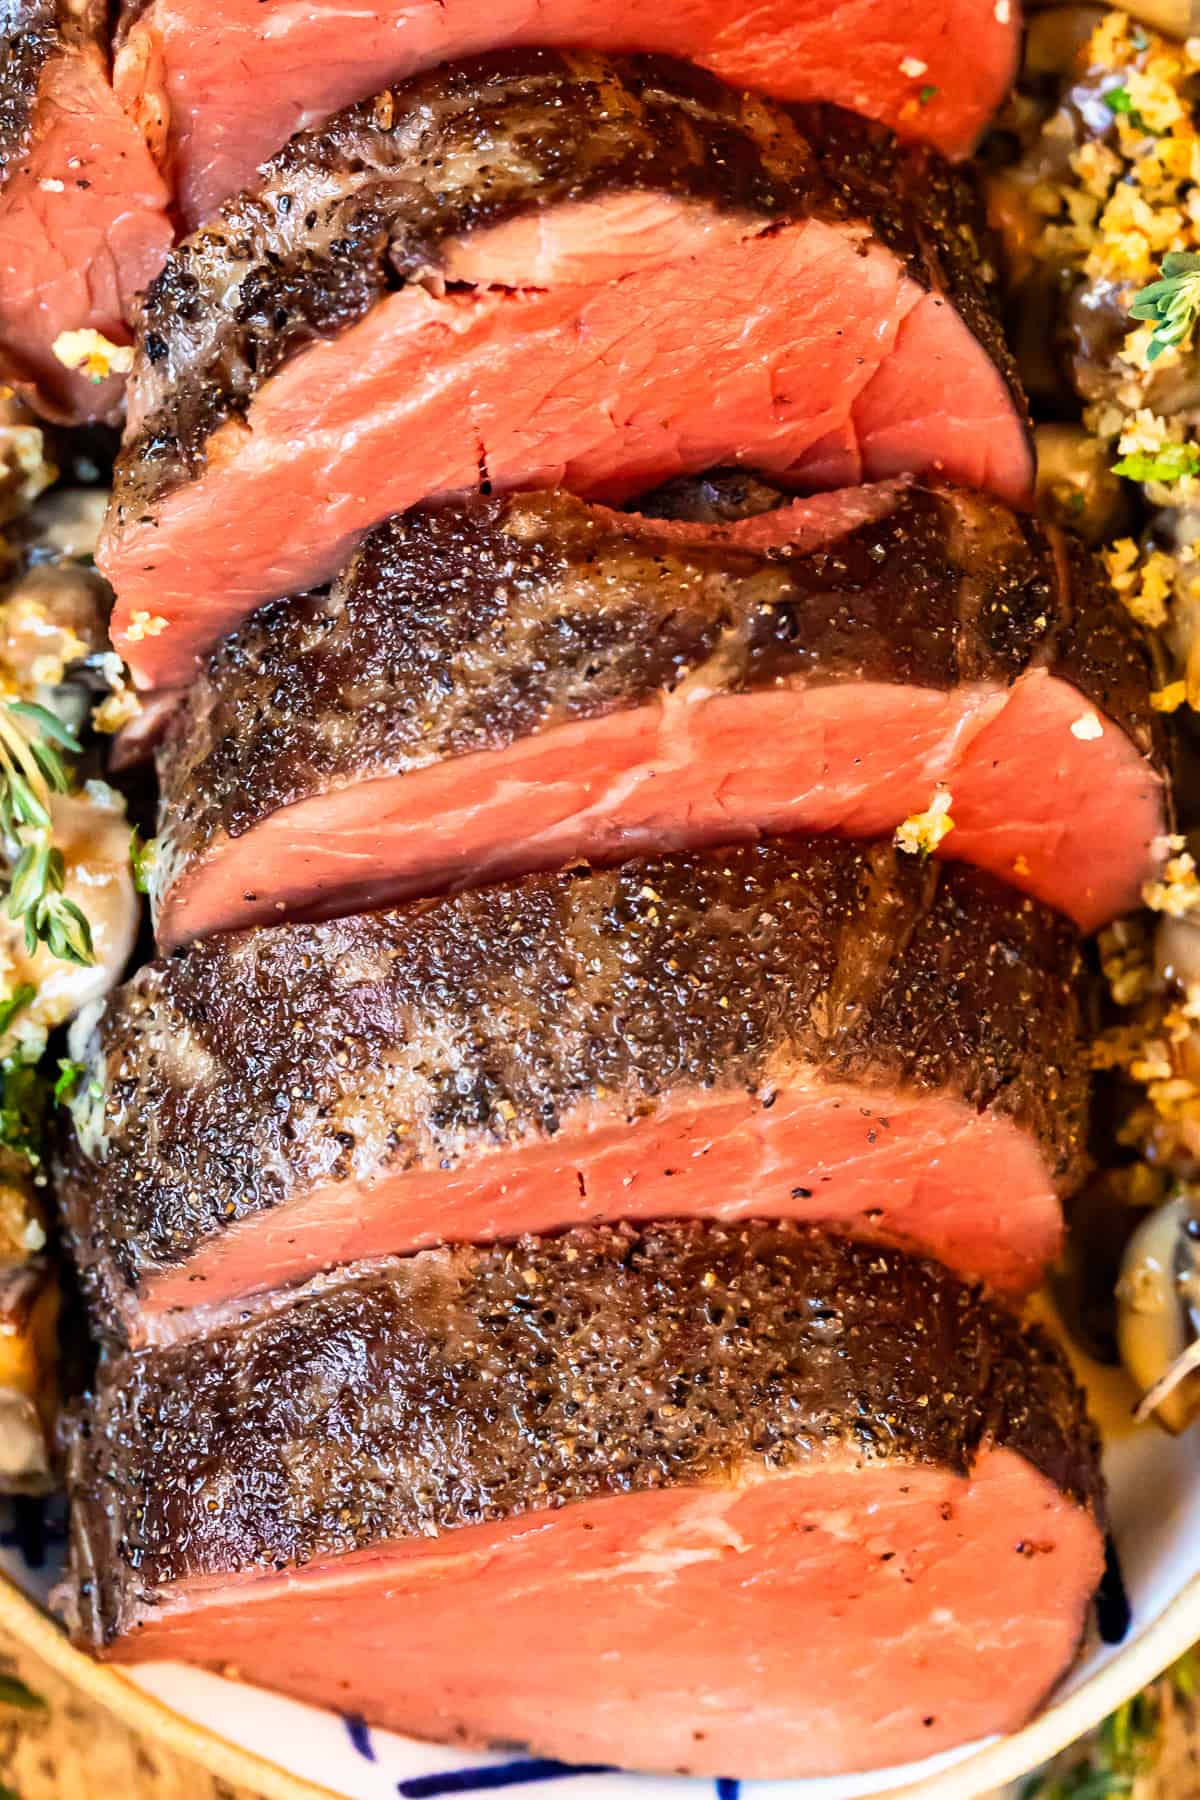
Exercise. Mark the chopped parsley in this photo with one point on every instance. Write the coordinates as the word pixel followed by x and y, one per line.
pixel 142 852
pixel 1168 464
pixel 70 1074
pixel 1118 100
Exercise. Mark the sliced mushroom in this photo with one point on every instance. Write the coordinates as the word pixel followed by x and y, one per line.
pixel 1177 18
pixel 66 522
pixel 1177 952
pixel 1076 487
pixel 1057 38
pixel 1158 1317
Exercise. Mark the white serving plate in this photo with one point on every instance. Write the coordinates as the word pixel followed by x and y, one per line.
pixel 287 1751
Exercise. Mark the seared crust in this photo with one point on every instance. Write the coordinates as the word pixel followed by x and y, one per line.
pixel 34 32
pixel 476 1385
pixel 260 1063
pixel 467 626
pixel 361 207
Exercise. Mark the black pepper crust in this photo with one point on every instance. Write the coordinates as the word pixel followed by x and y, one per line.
pixel 465 627
pixel 32 33
pixel 259 1064
pixel 468 1386
pixel 362 205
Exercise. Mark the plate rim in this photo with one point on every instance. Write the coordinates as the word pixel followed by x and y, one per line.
pixel 1168 1636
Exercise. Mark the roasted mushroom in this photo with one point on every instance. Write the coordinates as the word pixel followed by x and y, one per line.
pixel 1075 483
pixel 1158 1321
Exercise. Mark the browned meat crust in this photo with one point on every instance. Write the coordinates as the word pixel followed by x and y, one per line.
pixel 34 32
pixel 260 1063
pixel 362 206
pixel 443 1391
pixel 465 627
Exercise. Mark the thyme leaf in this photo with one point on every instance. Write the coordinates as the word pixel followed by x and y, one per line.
pixel 31 770
pixel 1172 302
pixel 17 1001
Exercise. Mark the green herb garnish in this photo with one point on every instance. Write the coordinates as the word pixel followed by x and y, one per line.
pixel 926 95
pixel 16 1002
pixel 70 1074
pixel 31 770
pixel 1117 100
pixel 142 852
pixel 1168 464
pixel 1172 302
pixel 23 1093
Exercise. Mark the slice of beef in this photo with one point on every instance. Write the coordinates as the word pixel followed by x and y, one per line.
pixel 711 1499
pixel 798 1027
pixel 83 220
pixel 512 683
pixel 220 87
pixel 541 269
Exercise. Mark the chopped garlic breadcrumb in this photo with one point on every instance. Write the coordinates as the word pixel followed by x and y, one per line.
pixel 93 354
pixel 1178 892
pixel 145 625
pixel 120 705
pixel 921 834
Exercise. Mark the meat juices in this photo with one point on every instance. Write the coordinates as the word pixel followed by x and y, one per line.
pixel 219 86
pixel 501 685
pixel 800 1028
pixel 714 1497
pixel 535 270
pixel 83 209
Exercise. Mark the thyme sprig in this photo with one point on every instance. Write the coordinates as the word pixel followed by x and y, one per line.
pixel 31 770
pixel 1173 303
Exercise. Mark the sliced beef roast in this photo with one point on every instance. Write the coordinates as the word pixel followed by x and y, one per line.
pixel 541 269
pixel 703 1498
pixel 83 222
pixel 797 1028
pixel 221 86
pixel 512 683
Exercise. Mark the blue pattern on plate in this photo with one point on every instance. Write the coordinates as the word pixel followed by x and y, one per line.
pixel 494 1775
pixel 359 1733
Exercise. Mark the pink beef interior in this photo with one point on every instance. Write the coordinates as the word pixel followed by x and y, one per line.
pixel 1071 820
pixel 227 84
pixel 793 349
pixel 925 1172
pixel 845 1616
pixel 84 225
